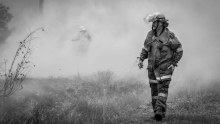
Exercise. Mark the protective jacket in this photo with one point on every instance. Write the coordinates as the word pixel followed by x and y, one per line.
pixel 161 51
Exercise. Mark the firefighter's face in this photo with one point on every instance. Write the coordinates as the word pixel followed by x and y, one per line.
pixel 156 25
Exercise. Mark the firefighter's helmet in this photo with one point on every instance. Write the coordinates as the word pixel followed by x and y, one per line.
pixel 82 28
pixel 157 16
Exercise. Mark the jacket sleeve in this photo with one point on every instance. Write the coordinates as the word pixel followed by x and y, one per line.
pixel 146 48
pixel 176 47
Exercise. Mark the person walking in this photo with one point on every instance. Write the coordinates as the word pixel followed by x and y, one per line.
pixel 163 51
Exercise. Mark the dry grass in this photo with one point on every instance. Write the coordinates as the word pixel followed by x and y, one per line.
pixel 101 99
pixel 11 78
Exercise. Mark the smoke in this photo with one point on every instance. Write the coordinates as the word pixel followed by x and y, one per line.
pixel 118 33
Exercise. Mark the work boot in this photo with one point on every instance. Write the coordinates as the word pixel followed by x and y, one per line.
pixel 158 115
pixel 153 117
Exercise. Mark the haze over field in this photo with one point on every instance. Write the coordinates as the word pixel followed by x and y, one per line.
pixel 118 33
pixel 99 81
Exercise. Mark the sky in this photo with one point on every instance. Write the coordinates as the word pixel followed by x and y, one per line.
pixel 118 33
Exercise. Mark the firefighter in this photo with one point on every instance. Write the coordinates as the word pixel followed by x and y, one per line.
pixel 163 51
pixel 83 35
pixel 82 41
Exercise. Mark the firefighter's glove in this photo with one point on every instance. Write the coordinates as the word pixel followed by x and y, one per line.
pixel 140 64
pixel 171 67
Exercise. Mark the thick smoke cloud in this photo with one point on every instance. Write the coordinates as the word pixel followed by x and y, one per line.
pixel 118 33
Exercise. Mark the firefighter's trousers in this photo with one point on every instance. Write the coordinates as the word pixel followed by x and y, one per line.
pixel 159 80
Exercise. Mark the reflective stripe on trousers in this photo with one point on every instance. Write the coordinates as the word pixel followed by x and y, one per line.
pixel 163 95
pixel 160 94
pixel 164 77
pixel 153 81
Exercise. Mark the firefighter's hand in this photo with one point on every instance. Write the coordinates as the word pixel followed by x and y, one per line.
pixel 140 64
pixel 171 67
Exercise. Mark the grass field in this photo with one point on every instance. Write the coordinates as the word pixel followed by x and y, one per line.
pixel 103 99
